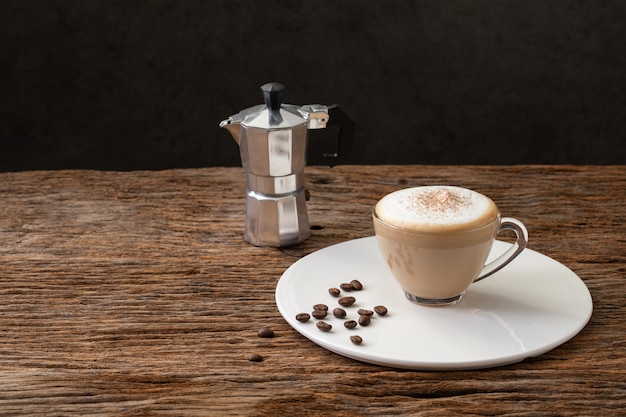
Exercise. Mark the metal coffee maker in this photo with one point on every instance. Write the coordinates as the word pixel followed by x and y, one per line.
pixel 272 140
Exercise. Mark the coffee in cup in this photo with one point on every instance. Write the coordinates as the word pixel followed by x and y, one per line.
pixel 436 240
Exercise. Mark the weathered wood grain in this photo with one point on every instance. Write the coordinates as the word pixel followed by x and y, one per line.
pixel 135 293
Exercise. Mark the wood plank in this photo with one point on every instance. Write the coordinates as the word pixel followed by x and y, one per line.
pixel 134 293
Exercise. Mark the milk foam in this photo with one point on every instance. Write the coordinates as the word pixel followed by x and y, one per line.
pixel 436 209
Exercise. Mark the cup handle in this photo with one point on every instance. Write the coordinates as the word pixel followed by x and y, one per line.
pixel 507 223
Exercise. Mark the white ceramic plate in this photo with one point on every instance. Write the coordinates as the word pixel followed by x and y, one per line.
pixel 528 308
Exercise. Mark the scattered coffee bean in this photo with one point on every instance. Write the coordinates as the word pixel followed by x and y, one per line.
pixel 255 357
pixel 320 311
pixel 357 340
pixel 266 332
pixel 303 317
pixel 319 314
pixel 323 326
pixel 349 324
pixel 380 310
pixel 347 301
pixel 356 285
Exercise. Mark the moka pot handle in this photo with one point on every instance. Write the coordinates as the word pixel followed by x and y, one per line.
pixel 341 119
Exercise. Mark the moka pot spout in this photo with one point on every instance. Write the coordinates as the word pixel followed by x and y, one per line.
pixel 233 126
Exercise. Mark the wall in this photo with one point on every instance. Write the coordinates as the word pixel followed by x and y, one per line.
pixel 143 84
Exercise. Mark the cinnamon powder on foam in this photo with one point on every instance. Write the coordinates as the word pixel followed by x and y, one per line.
pixel 436 208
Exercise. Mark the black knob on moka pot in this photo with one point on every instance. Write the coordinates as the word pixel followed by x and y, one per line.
pixel 273 98
pixel 273 95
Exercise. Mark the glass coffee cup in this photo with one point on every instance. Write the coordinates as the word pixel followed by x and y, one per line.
pixel 436 240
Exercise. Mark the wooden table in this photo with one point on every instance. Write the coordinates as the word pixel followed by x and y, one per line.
pixel 135 293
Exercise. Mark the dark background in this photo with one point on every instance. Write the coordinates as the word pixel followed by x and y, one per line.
pixel 130 84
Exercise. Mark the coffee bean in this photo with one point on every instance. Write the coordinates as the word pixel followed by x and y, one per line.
pixel 364 312
pixel 346 286
pixel 349 324
pixel 380 310
pixel 334 292
pixel 356 285
pixel 255 357
pixel 365 320
pixel 320 307
pixel 319 314
pixel 357 340
pixel 266 332
pixel 323 326
pixel 347 301
pixel 340 313
pixel 302 317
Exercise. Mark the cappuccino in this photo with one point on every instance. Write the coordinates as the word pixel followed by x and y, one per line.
pixel 436 240
pixel 436 209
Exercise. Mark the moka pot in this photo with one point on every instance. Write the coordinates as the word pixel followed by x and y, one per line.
pixel 272 140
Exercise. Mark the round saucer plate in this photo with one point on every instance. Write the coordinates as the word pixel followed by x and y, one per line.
pixel 526 309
